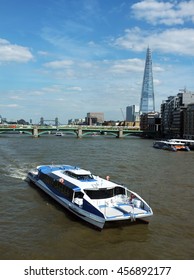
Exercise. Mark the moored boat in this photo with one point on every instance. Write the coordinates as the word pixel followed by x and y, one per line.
pixel 189 143
pixel 90 197
pixel 59 134
pixel 170 146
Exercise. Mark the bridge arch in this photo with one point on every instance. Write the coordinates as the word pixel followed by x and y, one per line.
pixel 26 132
pixel 44 132
pixel 111 133
pixel 69 132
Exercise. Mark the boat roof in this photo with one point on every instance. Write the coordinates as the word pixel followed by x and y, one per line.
pixel 80 171
pixel 77 178
pixel 175 143
pixel 170 142
pixel 182 140
pixel 162 141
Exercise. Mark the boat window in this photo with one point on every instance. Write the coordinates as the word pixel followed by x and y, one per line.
pixel 78 195
pixel 57 185
pixel 119 190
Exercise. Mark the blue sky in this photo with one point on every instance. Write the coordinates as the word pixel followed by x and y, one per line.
pixel 64 58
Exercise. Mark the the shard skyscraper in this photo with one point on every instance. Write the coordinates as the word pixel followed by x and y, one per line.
pixel 147 103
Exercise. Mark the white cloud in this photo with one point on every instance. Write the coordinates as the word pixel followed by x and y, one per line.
pixel 17 97
pixel 174 40
pixel 157 82
pixel 74 88
pixel 52 89
pixel 13 53
pixel 134 65
pixel 43 53
pixel 128 65
pixel 59 64
pixel 9 105
pixel 162 12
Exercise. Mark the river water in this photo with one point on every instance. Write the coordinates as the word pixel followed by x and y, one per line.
pixel 33 226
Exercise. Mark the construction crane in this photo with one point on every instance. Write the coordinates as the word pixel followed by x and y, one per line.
pixel 122 123
pixel 122 114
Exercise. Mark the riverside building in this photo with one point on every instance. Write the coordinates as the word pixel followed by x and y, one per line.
pixel 95 118
pixel 177 114
pixel 189 122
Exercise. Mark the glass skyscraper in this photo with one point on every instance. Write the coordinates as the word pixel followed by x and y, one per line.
pixel 147 103
pixel 132 113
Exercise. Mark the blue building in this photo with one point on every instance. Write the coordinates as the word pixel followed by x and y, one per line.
pixel 147 102
pixel 132 113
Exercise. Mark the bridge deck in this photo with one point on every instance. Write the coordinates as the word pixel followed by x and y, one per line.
pixel 78 130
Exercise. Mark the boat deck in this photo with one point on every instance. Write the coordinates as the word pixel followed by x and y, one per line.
pixel 120 210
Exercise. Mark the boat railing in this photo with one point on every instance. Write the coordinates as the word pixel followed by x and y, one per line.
pixel 115 201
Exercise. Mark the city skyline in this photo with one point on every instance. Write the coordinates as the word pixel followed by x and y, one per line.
pixel 66 58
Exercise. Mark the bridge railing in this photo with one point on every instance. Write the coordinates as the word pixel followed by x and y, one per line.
pixel 68 126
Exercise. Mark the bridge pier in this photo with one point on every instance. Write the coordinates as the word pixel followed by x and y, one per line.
pixel 35 132
pixel 79 132
pixel 120 132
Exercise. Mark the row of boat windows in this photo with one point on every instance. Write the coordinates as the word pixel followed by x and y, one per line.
pixel 104 193
pixel 68 192
pixel 63 189
pixel 77 176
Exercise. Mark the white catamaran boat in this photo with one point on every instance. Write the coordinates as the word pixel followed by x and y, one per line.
pixel 187 142
pixel 170 146
pixel 93 199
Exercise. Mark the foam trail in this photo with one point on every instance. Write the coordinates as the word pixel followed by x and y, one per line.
pixel 17 172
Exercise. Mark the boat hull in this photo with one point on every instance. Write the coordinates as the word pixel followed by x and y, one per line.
pixel 84 215
pixel 91 198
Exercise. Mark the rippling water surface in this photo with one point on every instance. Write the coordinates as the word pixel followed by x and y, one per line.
pixel 33 226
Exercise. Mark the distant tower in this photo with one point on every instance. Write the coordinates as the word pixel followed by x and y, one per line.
pixel 132 113
pixel 147 103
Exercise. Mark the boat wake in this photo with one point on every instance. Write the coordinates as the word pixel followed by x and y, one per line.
pixel 17 172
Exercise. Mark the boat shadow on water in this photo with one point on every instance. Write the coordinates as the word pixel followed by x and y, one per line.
pixel 126 223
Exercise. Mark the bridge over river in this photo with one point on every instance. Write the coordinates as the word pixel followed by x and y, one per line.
pixel 78 130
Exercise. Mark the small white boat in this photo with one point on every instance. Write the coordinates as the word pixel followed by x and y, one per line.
pixel 59 134
pixel 93 199
pixel 170 146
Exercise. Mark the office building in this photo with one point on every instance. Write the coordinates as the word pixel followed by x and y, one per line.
pixel 176 114
pixel 132 113
pixel 95 118
pixel 147 102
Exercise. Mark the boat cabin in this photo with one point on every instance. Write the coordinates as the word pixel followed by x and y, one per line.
pixel 79 174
